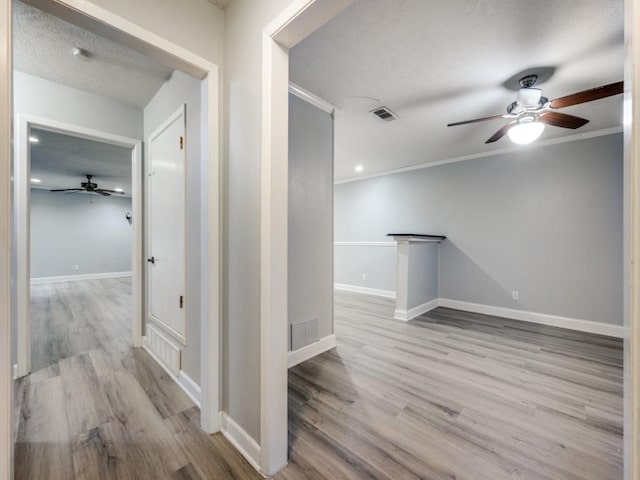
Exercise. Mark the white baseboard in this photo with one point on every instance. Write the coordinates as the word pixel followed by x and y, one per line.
pixel 78 278
pixel 241 440
pixel 184 381
pixel 309 351
pixel 577 324
pixel 191 388
pixel 414 312
pixel 365 290
pixel 540 318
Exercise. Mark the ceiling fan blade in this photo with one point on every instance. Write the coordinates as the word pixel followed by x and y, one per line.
pixel 563 120
pixel 67 190
pixel 500 133
pixel 494 117
pixel 99 191
pixel 588 95
pixel 108 191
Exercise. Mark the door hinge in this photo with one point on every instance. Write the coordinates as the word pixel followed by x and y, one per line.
pixel 181 301
pixel 181 142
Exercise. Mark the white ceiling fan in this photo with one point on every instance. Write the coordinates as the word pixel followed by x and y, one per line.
pixel 531 111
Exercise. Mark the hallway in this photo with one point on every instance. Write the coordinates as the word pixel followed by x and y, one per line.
pixel 95 408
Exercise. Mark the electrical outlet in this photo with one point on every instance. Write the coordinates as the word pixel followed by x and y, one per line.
pixel 76 267
pixel 514 295
pixel 364 276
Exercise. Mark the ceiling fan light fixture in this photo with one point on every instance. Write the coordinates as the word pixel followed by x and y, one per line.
pixel 526 131
pixel 529 97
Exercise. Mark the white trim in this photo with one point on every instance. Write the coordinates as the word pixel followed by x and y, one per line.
pixel 406 315
pixel 22 199
pixel 295 22
pixel 15 371
pixel 190 387
pixel 6 377
pixel 78 278
pixel 577 324
pixel 365 290
pixel 116 28
pixel 490 153
pixel 364 244
pixel 631 247
pixel 539 318
pixel 309 351
pixel 184 381
pixel 311 98
pixel 212 274
pixel 240 439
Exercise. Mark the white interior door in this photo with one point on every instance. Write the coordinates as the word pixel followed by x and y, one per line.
pixel 166 224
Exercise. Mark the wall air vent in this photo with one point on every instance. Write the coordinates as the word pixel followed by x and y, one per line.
pixel 383 113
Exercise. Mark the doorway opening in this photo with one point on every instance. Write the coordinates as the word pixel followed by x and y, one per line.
pixel 77 227
pixel 68 101
pixel 295 24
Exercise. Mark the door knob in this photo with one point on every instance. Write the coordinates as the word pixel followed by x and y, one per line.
pixel 152 260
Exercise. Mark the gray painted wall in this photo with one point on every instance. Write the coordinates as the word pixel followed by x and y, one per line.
pixel 183 89
pixel 44 98
pixel 545 221
pixel 351 261
pixel 310 269
pixel 90 231
pixel 423 274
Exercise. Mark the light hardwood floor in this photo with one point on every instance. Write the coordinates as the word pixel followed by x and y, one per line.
pixel 95 408
pixel 456 395
pixel 452 395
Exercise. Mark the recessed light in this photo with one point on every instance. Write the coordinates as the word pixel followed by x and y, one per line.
pixel 118 189
pixel 359 168
pixel 34 139
pixel 35 180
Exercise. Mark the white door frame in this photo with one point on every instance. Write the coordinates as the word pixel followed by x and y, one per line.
pixel 99 20
pixel 294 24
pixel 6 369
pixel 631 241
pixel 22 198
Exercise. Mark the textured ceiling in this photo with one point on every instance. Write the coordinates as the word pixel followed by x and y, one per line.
pixel 43 45
pixel 434 63
pixel 221 4
pixel 62 161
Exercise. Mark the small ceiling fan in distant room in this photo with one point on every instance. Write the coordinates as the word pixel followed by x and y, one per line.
pixel 531 111
pixel 90 187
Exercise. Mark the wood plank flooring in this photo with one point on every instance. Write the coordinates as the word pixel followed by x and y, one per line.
pixel 452 395
pixel 456 395
pixel 94 408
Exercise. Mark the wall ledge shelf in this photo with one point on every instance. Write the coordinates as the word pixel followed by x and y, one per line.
pixel 416 237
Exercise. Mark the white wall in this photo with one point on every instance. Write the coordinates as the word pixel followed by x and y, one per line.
pixel 244 23
pixel 90 231
pixel 546 222
pixel 183 89
pixel 54 101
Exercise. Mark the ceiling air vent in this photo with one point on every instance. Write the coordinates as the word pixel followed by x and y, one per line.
pixel 383 113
